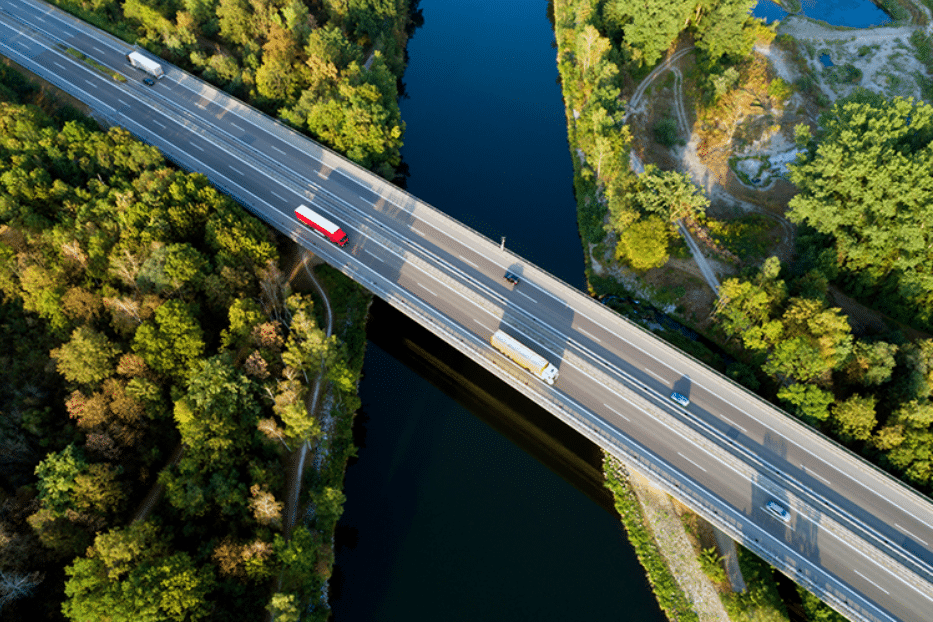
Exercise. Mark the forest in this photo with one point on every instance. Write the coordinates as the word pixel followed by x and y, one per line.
pixel 152 345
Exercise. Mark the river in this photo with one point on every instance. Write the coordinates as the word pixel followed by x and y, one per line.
pixel 467 502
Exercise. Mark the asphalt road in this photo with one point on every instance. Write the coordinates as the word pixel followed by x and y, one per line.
pixel 856 536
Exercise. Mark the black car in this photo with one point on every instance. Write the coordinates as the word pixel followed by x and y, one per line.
pixel 511 278
pixel 148 81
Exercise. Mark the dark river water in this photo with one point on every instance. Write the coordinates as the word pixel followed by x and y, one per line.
pixel 467 502
pixel 851 13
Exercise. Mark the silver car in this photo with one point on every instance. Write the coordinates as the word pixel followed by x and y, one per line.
pixel 777 510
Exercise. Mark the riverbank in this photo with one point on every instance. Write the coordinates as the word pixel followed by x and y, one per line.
pixel 735 140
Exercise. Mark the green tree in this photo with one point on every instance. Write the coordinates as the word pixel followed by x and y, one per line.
pixel 825 329
pixel 643 245
pixel 98 490
pixel 284 608
pixel 871 364
pixel 808 401
pixel 217 410
pixel 591 47
pixel 289 405
pixel 671 195
pixel 746 309
pixel 57 474
pixel 723 30
pixel 173 342
pixel 907 442
pixel 649 27
pixel 87 358
pixel 917 382
pixel 124 580
pixel 855 417
pixel 361 118
pixel 244 314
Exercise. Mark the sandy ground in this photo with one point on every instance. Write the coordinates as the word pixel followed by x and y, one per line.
pixel 885 56
pixel 663 517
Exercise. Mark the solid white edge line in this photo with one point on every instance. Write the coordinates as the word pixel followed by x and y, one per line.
pixel 912 535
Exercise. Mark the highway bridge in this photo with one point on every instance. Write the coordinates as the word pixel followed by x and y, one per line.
pixel 854 536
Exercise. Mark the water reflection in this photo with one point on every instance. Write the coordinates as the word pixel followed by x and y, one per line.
pixel 449 514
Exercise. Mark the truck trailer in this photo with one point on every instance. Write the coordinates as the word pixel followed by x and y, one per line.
pixel 146 64
pixel 524 356
pixel 321 225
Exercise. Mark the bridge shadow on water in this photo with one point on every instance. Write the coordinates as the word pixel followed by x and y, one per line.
pixel 524 423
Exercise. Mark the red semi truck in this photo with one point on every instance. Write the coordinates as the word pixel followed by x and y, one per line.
pixel 321 225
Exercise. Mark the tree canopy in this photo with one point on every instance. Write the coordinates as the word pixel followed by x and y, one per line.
pixel 866 181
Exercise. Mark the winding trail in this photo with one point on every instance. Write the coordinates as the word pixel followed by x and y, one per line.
pixel 297 459
pixel 698 171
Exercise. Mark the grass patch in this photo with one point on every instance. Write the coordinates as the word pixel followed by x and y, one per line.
pixel 760 602
pixel 712 564
pixel 897 11
pixel 93 63
pixel 817 610
pixel 747 237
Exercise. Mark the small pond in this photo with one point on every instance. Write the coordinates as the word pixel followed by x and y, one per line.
pixel 826 60
pixel 851 13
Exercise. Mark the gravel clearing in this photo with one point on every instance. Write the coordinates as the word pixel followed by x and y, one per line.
pixel 672 541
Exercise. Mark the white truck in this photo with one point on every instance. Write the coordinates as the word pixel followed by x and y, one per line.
pixel 146 64
pixel 524 356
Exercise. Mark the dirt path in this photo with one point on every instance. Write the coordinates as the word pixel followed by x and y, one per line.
pixel 691 162
pixel 297 459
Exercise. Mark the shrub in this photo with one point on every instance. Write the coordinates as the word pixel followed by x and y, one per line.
pixel 780 90
pixel 666 131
